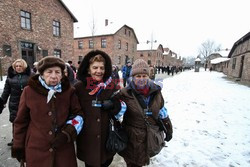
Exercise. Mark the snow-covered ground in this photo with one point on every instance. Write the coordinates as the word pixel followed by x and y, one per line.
pixel 211 120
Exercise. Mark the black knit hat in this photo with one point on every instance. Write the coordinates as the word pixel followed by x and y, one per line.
pixel 50 61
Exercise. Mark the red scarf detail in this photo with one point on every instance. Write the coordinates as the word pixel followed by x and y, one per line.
pixel 144 91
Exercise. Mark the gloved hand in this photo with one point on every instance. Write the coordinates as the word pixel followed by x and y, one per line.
pixel 18 153
pixel 169 127
pixel 60 139
pixel 107 104
pixel 1 105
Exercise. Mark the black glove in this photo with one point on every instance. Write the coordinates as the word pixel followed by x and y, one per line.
pixel 169 127
pixel 107 104
pixel 60 139
pixel 1 105
pixel 18 153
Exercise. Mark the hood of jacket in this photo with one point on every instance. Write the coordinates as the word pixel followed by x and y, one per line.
pixel 11 72
pixel 82 72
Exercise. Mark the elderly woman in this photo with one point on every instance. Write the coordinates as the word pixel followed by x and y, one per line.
pixel 145 105
pixel 94 89
pixel 49 118
pixel 17 79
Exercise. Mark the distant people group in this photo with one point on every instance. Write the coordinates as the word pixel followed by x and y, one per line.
pixel 56 106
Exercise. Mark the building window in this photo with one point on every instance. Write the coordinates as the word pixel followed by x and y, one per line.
pixel 45 53
pixel 234 63
pixel 56 28
pixel 129 33
pixel 80 44
pixel 141 55
pixel 7 50
pixel 149 54
pixel 103 42
pixel 25 20
pixel 119 59
pixel 119 44
pixel 57 53
pixel 125 31
pixel 126 46
pixel 80 58
pixel 149 62
pixel 91 44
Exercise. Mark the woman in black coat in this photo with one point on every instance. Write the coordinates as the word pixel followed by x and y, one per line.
pixel 17 78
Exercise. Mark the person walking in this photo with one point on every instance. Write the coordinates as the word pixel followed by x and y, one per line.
pixel 94 89
pixel 49 118
pixel 126 73
pixel 17 78
pixel 144 104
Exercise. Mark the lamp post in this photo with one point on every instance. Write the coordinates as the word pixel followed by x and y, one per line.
pixel 151 47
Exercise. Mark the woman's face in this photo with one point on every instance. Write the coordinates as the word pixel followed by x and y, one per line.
pixel 52 76
pixel 141 80
pixel 19 68
pixel 97 70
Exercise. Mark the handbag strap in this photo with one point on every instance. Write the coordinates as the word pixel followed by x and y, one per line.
pixel 141 109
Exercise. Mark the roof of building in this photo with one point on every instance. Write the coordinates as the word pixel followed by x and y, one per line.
pixel 67 9
pixel 147 46
pixel 107 30
pixel 241 40
pixel 219 60
pixel 197 59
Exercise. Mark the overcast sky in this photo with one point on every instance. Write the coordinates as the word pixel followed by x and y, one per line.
pixel 181 25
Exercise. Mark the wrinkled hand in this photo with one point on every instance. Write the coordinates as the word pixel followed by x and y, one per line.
pixel 59 140
pixel 107 104
pixel 18 153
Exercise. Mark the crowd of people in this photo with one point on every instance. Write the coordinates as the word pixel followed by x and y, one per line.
pixel 55 107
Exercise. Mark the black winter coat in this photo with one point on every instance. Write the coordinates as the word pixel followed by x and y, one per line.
pixel 13 88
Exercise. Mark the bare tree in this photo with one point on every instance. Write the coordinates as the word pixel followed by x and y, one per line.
pixel 207 48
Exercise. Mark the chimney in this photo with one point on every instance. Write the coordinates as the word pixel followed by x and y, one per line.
pixel 106 22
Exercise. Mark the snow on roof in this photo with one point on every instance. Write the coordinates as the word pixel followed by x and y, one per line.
pixel 219 60
pixel 166 52
pixel 223 53
pixel 198 59
pixel 147 46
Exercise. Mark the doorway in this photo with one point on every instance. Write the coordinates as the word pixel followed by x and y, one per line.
pixel 28 53
pixel 241 65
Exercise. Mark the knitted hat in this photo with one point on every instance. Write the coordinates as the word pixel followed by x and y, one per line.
pixel 140 67
pixel 50 61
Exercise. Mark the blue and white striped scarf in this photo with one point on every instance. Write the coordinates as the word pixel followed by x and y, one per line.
pixel 52 89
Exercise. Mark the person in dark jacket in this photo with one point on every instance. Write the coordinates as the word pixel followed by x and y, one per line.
pixel 126 73
pixel 144 101
pixel 17 79
pixel 49 118
pixel 69 72
pixel 94 90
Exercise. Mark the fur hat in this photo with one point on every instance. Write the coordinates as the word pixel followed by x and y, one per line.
pixel 50 61
pixel 140 67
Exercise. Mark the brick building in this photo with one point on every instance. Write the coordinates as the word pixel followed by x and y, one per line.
pixel 119 42
pixel 34 29
pixel 170 58
pixel 239 64
pixel 151 53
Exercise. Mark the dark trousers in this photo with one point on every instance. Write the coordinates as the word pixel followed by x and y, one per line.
pixel 105 164
pixel 129 164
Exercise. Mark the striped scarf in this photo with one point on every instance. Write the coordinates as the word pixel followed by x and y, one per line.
pixel 100 85
pixel 52 89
